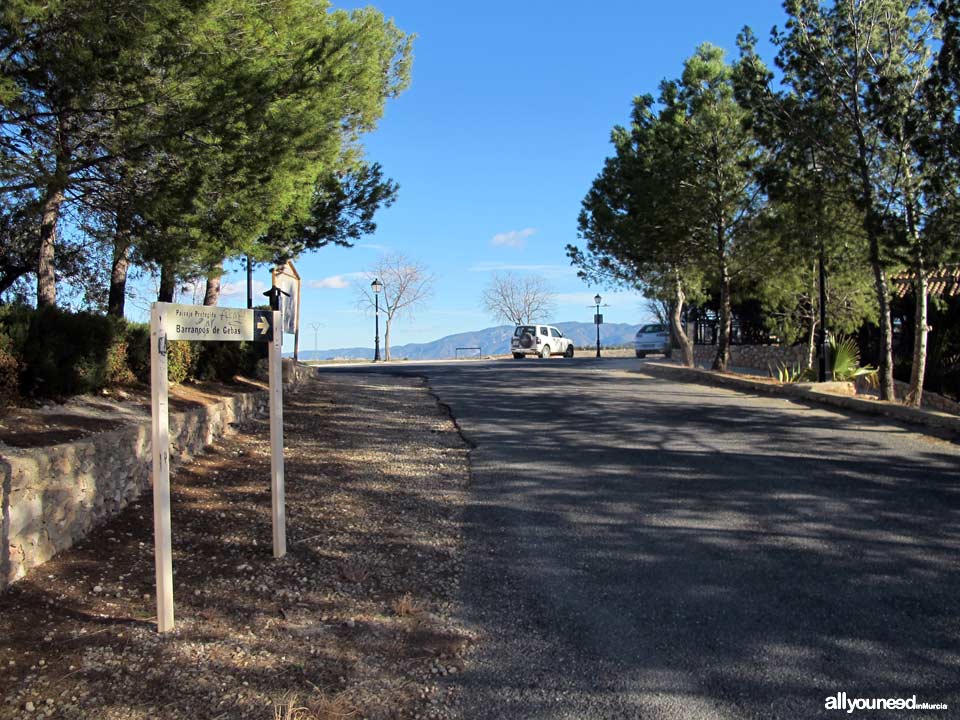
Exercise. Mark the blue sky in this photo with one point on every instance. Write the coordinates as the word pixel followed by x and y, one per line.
pixel 495 143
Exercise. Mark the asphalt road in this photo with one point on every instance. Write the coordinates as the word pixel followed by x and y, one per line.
pixel 640 548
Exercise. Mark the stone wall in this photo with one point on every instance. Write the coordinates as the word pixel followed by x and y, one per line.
pixel 764 357
pixel 757 357
pixel 51 497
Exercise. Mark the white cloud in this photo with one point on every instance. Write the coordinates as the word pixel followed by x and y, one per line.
pixel 332 282
pixel 336 282
pixel 239 289
pixel 512 238
pixel 373 246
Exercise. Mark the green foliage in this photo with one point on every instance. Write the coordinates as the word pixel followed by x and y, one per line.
pixel 138 350
pixel 193 132
pixel 9 374
pixel 61 353
pixel 117 371
pixel 788 374
pixel 53 353
pixel 224 360
pixel 845 361
pixel 181 360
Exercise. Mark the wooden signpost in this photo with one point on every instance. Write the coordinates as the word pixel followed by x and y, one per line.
pixel 168 322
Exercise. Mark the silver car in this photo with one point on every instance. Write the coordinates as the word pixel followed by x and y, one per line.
pixel 652 339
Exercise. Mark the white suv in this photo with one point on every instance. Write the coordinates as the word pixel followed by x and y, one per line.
pixel 542 340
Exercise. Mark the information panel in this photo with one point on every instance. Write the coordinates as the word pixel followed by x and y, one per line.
pixel 199 322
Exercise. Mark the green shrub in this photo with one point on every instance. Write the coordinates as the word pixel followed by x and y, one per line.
pixel 55 353
pixel 788 374
pixel 223 361
pixel 9 374
pixel 65 353
pixel 138 350
pixel 118 370
pixel 181 360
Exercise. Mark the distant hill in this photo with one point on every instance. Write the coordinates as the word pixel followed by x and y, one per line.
pixel 492 341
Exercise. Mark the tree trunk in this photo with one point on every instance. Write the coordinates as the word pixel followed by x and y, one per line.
pixel 918 369
pixel 886 325
pixel 919 365
pixel 723 340
pixel 211 295
pixel 871 224
pixel 168 284
pixel 46 270
pixel 676 324
pixel 812 335
pixel 118 273
pixel 386 338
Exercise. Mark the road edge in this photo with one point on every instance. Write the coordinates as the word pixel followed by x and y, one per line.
pixel 923 419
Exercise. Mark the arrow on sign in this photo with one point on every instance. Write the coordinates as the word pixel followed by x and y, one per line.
pixel 263 328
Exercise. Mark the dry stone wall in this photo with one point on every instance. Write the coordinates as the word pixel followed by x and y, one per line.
pixel 758 357
pixel 51 497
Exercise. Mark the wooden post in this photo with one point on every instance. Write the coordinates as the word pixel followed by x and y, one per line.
pixel 276 439
pixel 163 557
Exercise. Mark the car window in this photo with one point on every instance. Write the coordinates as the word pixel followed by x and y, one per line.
pixel 543 331
pixel 653 329
pixel 555 333
pixel 521 329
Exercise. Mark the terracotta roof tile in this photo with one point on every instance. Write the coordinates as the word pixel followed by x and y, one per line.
pixel 942 282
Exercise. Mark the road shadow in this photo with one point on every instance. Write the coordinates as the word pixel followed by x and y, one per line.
pixel 666 550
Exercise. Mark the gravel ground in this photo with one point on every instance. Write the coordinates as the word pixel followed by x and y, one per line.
pixel 357 621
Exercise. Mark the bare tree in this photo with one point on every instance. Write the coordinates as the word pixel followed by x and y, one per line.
pixel 519 300
pixel 406 284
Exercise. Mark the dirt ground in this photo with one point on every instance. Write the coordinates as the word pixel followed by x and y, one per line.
pixel 49 423
pixel 357 621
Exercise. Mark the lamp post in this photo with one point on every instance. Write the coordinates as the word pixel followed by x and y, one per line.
pixel 376 286
pixel 824 347
pixel 596 318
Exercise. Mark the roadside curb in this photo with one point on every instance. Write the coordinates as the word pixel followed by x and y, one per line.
pixel 913 416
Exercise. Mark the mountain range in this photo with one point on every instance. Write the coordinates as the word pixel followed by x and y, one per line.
pixel 491 341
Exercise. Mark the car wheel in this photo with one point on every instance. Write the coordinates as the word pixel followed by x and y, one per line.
pixel 569 351
pixel 518 356
pixel 526 341
pixel 641 354
pixel 545 353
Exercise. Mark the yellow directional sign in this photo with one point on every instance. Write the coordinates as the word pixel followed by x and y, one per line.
pixel 201 322
pixel 264 331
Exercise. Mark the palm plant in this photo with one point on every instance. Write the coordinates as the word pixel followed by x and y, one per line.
pixel 845 357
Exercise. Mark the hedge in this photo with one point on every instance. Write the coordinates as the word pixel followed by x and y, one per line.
pixel 54 353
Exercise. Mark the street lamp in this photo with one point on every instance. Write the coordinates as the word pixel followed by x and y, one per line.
pixel 596 318
pixel 376 286
pixel 824 349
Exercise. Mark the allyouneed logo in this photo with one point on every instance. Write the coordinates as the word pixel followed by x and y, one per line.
pixel 841 701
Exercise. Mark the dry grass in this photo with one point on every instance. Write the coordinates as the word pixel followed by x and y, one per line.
pixel 321 707
pixel 405 606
